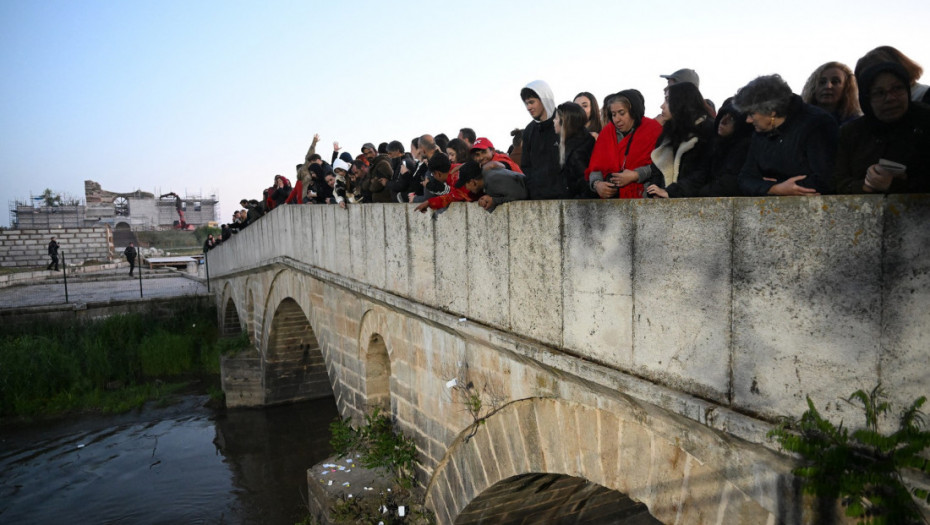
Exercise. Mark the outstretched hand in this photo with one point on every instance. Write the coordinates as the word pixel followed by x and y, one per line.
pixel 422 207
pixel 791 187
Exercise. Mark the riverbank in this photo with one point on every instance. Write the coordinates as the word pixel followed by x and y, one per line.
pixel 110 365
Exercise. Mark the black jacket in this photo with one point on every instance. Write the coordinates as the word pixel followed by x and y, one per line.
pixel 863 142
pixel 578 150
pixel 540 161
pixel 805 144
pixel 693 167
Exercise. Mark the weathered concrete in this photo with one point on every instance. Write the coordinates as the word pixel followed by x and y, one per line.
pixel 642 346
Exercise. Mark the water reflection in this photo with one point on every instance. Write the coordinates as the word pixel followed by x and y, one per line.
pixel 182 464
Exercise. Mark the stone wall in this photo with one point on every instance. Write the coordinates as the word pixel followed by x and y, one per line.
pixel 22 248
pixel 750 303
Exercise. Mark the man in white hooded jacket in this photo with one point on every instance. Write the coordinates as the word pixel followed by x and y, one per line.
pixel 540 158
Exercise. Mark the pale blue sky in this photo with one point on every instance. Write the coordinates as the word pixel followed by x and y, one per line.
pixel 206 97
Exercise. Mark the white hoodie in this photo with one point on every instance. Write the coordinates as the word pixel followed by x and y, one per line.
pixel 541 88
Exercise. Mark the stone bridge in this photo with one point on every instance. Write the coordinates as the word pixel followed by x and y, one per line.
pixel 552 354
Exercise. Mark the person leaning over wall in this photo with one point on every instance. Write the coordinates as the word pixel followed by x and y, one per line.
pixel 794 146
pixel 888 149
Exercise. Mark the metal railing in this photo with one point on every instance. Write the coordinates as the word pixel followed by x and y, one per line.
pixel 104 283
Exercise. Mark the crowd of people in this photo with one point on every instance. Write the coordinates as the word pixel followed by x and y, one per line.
pixel 865 130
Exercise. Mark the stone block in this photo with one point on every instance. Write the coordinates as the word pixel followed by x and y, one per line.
pixel 806 300
pixel 330 237
pixel 636 465
pixel 528 431
pixel 489 463
pixel 489 266
pixel 373 215
pixel 397 254
pixel 571 438
pixel 422 263
pixel 597 248
pixel 608 438
pixel 536 270
pixel 451 230
pixel 702 494
pixel 905 342
pixel 498 429
pixel 669 463
pixel 358 269
pixel 316 234
pixel 588 447
pixel 551 434
pixel 682 291
pixel 341 247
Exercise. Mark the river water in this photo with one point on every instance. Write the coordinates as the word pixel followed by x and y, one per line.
pixel 181 464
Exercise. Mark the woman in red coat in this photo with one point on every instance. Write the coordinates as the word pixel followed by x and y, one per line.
pixel 621 157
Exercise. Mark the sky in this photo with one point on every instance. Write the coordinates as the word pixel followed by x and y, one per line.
pixel 216 97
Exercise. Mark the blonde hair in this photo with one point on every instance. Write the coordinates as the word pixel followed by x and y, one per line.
pixel 848 105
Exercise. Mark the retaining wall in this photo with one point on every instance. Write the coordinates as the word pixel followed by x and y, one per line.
pixel 21 248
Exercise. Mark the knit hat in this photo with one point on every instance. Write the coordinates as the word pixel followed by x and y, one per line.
pixel 340 164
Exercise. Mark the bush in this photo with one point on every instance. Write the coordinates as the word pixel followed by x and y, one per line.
pixel 50 368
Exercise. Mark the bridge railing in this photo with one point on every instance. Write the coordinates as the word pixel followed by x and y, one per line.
pixel 753 303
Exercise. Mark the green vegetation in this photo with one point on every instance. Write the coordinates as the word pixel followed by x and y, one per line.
pixel 378 445
pixel 173 240
pixel 862 469
pixel 111 365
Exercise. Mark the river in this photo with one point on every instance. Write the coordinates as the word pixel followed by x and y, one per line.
pixel 185 463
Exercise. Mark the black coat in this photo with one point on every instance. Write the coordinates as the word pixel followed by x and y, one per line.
pixel 805 144
pixel 694 166
pixel 540 161
pixel 578 150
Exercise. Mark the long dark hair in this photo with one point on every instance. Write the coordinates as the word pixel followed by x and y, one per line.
pixel 573 122
pixel 594 121
pixel 460 148
pixel 687 106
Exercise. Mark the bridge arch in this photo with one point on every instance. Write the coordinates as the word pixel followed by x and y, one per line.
pixel 232 324
pixel 293 361
pixel 620 449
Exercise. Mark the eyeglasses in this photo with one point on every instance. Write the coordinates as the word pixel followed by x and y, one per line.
pixel 895 91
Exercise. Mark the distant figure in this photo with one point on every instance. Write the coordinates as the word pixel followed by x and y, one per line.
pixel 209 244
pixel 53 253
pixel 130 254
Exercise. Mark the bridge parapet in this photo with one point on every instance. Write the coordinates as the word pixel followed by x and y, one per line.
pixel 750 303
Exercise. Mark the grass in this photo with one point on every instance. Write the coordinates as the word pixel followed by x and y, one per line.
pixel 110 365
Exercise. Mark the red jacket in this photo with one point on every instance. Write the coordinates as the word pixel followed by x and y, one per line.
pixel 454 195
pixel 508 162
pixel 609 156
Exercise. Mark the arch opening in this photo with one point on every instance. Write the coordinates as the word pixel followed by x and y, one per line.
pixel 294 366
pixel 378 374
pixel 553 498
pixel 231 323
pixel 251 324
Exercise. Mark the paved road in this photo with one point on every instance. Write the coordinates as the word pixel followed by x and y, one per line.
pixel 98 289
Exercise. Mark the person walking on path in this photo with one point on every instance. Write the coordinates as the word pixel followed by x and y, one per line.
pixel 53 253
pixel 130 254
